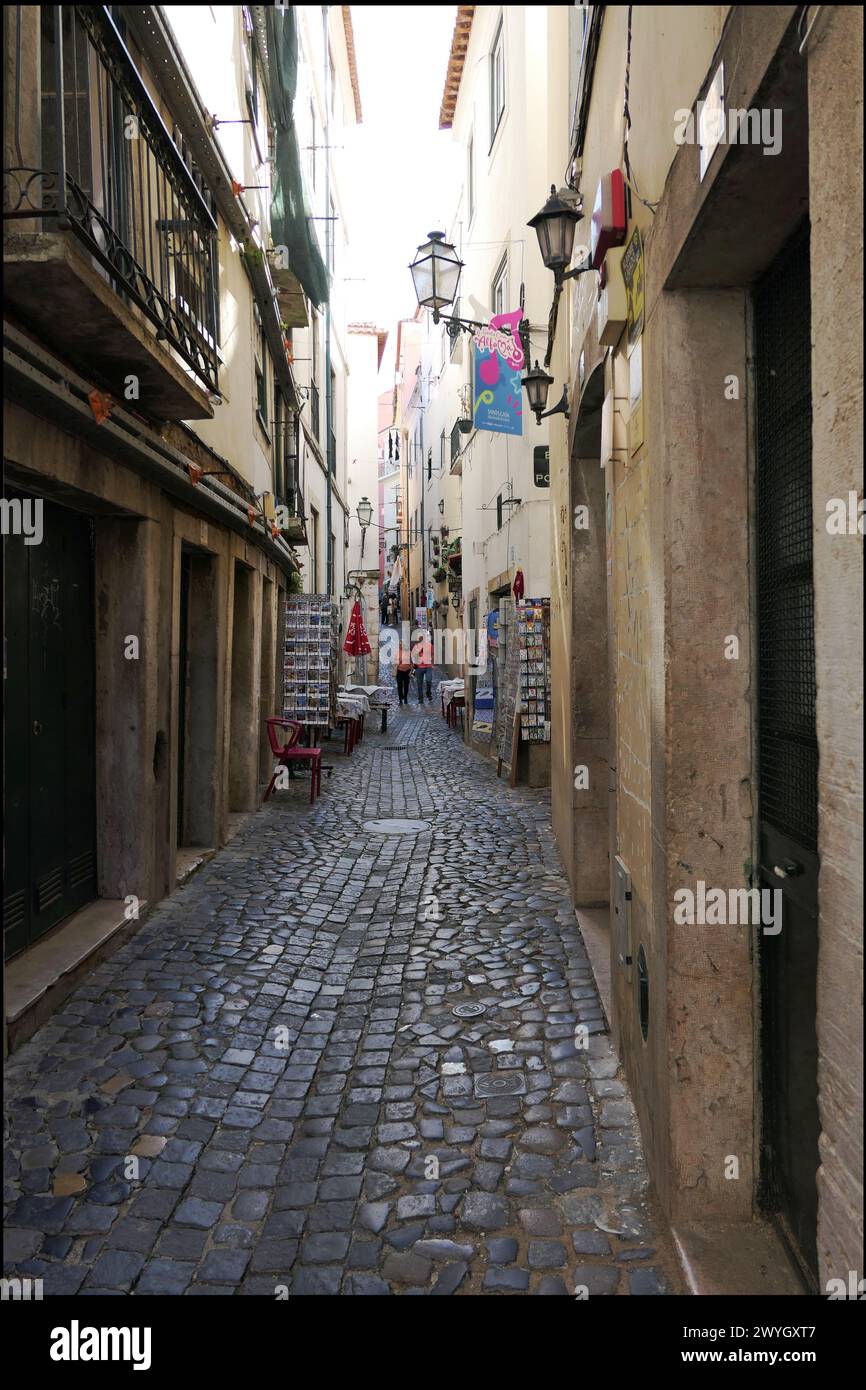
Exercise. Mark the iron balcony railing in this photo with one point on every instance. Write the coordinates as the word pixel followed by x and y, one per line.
pixel 287 481
pixel 111 174
pixel 455 443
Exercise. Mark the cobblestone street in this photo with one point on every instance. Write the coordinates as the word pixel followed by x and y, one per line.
pixel 344 1061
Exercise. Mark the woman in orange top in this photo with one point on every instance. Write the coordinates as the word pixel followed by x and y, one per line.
pixel 404 673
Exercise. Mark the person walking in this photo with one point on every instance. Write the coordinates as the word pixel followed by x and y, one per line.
pixel 392 610
pixel 422 659
pixel 403 668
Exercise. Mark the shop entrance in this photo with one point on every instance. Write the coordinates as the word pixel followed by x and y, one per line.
pixel 50 780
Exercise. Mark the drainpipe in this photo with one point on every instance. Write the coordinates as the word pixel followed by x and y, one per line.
pixel 329 232
pixel 423 482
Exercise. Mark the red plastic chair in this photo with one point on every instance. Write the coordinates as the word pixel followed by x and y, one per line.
pixel 348 724
pixel 289 753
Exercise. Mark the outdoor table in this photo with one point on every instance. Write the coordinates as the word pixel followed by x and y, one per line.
pixel 447 691
pixel 353 700
pixel 378 697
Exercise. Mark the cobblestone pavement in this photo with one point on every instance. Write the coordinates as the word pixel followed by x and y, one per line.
pixel 344 1062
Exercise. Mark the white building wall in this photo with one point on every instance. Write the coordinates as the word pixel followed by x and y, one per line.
pixel 511 179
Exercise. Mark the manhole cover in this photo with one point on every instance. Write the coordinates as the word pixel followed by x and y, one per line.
pixel 511 1083
pixel 468 1010
pixel 395 827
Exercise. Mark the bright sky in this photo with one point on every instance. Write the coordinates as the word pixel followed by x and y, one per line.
pixel 401 168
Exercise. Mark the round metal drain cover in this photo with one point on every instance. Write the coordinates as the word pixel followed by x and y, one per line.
pixel 395 827
pixel 508 1083
pixel 468 1010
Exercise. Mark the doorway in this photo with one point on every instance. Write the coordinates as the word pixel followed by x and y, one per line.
pixel 244 746
pixel 50 744
pixel 197 701
pixel 590 679
pixel 787 772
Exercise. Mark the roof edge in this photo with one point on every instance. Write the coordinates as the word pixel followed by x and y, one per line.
pixel 353 61
pixel 456 59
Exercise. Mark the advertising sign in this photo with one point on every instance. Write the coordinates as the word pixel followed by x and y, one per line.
pixel 498 363
pixel 541 465
pixel 632 274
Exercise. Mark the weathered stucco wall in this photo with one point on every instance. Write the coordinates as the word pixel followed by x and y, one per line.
pixel 139 532
pixel 835 59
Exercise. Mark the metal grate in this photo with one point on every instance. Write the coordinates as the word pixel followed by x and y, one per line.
pixel 788 757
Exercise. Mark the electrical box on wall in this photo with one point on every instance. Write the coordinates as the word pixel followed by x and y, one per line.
pixel 612 312
pixel 608 217
pixel 621 924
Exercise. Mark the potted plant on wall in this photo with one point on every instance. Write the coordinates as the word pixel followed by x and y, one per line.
pixel 440 573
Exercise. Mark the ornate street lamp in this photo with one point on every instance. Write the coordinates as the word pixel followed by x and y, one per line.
pixel 436 275
pixel 555 226
pixel 365 516
pixel 538 383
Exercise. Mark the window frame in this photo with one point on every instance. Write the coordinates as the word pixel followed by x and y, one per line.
pixel 499 287
pixel 497 79
pixel 470 177
pixel 262 360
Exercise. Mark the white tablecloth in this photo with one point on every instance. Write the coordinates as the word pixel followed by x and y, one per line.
pixel 352 705
pixel 448 689
pixel 372 692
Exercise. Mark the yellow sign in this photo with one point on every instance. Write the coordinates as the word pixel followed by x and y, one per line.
pixel 633 275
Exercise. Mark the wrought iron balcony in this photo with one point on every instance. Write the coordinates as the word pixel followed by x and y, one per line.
pixel 287 481
pixel 456 449
pixel 105 169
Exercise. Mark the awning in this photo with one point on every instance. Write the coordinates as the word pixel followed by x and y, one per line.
pixel 291 223
pixel 396 575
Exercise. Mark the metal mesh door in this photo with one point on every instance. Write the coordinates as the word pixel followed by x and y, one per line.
pixel 788 758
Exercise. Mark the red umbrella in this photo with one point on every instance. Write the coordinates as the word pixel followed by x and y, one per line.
pixel 357 643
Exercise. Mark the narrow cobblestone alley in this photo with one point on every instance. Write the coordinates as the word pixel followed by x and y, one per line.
pixel 345 1063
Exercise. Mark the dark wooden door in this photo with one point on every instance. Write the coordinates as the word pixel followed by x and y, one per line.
pixel 49 790
pixel 182 688
pixel 788 747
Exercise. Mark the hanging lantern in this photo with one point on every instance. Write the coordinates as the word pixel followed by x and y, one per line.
pixel 555 226
pixel 436 273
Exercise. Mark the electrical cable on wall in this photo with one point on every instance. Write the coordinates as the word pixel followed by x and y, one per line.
pixel 629 175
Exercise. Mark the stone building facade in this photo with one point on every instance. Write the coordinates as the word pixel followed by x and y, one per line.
pixel 707 617
pixel 151 421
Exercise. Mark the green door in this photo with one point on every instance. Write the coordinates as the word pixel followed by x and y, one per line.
pixel 49 789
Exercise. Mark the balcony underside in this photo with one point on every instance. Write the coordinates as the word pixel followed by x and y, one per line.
pixel 290 298
pixel 57 291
